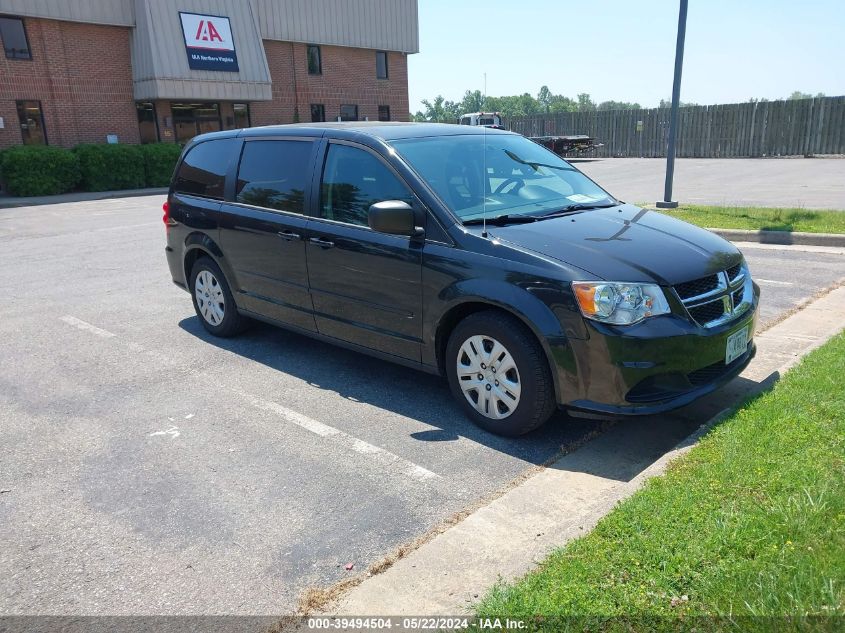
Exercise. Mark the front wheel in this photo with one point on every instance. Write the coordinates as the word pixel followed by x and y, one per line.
pixel 498 372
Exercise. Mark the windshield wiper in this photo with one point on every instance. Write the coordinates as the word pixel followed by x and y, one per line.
pixel 501 220
pixel 574 208
pixel 535 166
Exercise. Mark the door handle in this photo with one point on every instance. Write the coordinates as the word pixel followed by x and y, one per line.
pixel 289 235
pixel 319 241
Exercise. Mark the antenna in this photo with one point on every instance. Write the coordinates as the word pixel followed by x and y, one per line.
pixel 485 181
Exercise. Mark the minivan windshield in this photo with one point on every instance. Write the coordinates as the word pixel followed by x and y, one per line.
pixel 505 175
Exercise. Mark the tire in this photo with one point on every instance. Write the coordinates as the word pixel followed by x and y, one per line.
pixel 220 317
pixel 512 404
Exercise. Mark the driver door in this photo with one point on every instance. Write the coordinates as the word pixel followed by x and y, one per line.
pixel 366 286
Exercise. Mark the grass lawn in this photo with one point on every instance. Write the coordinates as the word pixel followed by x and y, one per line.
pixel 751 522
pixel 755 218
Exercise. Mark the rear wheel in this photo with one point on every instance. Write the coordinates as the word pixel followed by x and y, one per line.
pixel 498 372
pixel 213 299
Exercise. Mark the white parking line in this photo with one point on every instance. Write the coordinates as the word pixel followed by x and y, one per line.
pixel 378 454
pixel 309 424
pixel 773 282
pixel 84 325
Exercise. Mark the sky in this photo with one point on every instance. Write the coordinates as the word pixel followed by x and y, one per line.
pixel 624 50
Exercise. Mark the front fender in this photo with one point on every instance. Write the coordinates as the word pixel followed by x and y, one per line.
pixel 529 304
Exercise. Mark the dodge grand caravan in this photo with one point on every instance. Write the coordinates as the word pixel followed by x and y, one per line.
pixel 469 252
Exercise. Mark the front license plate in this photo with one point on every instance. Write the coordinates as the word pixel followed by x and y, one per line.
pixel 737 345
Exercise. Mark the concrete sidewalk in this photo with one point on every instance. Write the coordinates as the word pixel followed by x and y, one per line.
pixel 508 537
pixel 8 202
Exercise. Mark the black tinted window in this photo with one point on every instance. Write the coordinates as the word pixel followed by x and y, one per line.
pixel 381 64
pixel 315 63
pixel 14 39
pixel 273 174
pixel 203 172
pixel 352 181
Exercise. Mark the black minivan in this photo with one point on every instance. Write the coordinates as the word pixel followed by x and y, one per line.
pixel 468 252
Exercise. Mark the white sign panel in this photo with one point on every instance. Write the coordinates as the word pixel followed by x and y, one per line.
pixel 209 42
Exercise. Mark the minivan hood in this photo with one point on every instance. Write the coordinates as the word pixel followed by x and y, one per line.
pixel 625 243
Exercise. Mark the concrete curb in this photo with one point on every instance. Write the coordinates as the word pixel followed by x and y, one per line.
pixel 12 202
pixel 782 238
pixel 508 537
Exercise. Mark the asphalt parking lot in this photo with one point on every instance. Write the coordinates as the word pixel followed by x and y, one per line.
pixel 147 468
pixel 808 183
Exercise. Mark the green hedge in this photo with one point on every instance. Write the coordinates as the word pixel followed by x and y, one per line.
pixel 108 167
pixel 159 162
pixel 29 170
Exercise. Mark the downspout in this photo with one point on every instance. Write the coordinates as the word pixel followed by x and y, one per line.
pixel 295 94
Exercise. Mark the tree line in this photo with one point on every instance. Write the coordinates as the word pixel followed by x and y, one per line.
pixel 442 110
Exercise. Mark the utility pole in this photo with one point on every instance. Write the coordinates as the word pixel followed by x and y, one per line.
pixel 667 202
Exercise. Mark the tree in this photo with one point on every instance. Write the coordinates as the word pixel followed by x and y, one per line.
pixel 585 104
pixel 473 101
pixel 667 103
pixel 544 98
pixel 618 105
pixel 439 111
pixel 804 95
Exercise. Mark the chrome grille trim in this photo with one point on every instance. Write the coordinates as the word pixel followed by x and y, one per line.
pixel 735 295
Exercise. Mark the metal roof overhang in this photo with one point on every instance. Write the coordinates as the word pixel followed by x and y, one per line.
pixel 160 62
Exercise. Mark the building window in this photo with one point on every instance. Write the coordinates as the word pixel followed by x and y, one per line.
pixel 32 122
pixel 191 119
pixel 381 65
pixel 147 125
pixel 15 42
pixel 241 111
pixel 349 113
pixel 318 113
pixel 315 62
pixel 384 113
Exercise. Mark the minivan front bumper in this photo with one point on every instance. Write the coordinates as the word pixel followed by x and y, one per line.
pixel 657 365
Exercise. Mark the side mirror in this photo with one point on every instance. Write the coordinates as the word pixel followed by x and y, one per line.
pixel 394 217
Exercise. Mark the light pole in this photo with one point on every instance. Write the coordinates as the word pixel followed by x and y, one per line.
pixel 667 202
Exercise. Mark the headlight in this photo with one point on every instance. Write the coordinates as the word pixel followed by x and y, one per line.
pixel 619 303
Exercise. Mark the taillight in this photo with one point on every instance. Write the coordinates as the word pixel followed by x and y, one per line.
pixel 166 217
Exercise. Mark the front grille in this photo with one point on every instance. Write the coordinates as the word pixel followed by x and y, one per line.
pixel 697 287
pixel 733 271
pixel 707 312
pixel 705 298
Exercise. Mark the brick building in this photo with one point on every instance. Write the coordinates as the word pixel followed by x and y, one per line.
pixel 140 71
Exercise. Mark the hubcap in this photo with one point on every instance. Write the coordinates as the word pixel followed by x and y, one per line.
pixel 488 377
pixel 210 299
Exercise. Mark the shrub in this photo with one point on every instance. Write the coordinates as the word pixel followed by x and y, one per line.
pixel 29 170
pixel 106 167
pixel 159 162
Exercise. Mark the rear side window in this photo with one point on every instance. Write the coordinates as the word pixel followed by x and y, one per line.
pixel 273 175
pixel 203 171
pixel 353 179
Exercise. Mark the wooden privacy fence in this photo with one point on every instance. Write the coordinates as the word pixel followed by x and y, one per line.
pixel 802 127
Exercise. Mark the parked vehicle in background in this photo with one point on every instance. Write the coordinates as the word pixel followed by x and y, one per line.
pixel 467 252
pixel 560 145
pixel 484 119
